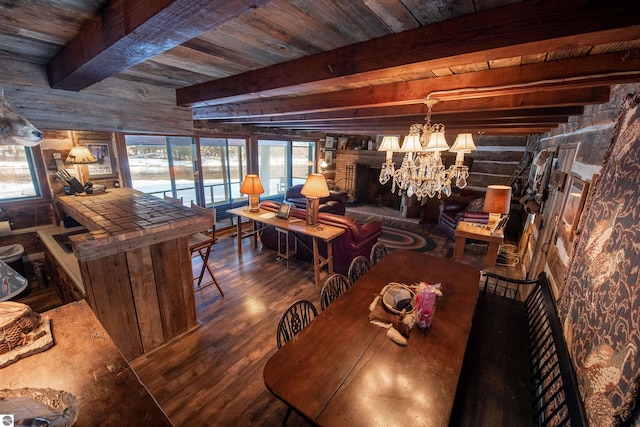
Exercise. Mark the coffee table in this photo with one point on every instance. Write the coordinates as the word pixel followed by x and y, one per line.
pixel 485 233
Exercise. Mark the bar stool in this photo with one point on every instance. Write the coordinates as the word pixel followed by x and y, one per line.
pixel 201 244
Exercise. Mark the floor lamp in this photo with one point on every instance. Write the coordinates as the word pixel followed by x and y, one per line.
pixel 313 189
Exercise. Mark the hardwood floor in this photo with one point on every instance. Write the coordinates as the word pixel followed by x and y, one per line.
pixel 212 376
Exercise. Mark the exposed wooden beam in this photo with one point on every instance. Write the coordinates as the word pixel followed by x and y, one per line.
pixel 522 28
pixel 62 110
pixel 388 113
pixel 489 123
pixel 581 72
pixel 129 32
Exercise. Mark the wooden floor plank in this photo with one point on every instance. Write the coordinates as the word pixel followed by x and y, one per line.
pixel 213 375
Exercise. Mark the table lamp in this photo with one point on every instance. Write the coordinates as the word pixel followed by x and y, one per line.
pixel 313 189
pixel 497 201
pixel 252 187
pixel 79 156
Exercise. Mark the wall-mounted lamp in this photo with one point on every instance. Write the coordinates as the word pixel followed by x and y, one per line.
pixel 323 166
pixel 252 187
pixel 79 156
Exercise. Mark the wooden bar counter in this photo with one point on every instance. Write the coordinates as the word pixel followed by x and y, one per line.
pixel 85 362
pixel 136 265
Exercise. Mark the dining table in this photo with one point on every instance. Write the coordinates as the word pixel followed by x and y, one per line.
pixel 343 370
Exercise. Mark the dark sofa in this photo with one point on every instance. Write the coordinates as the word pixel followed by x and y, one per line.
pixel 335 203
pixel 456 209
pixel 356 240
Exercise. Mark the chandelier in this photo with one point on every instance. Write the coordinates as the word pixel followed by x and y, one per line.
pixel 422 172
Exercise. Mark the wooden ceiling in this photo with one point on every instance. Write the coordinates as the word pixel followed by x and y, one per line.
pixel 337 66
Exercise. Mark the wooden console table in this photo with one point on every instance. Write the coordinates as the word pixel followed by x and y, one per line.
pixel 85 362
pixel 467 230
pixel 295 225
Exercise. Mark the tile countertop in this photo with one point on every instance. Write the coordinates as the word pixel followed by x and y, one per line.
pixel 123 219
pixel 67 261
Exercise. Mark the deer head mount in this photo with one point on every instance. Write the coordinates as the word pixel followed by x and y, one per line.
pixel 15 129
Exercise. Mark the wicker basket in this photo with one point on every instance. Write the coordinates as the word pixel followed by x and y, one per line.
pixel 389 295
pixel 58 408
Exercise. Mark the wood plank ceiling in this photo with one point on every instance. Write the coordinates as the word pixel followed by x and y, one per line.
pixel 336 66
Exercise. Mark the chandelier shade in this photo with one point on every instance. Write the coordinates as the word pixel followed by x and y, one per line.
pixel 411 144
pixel 463 143
pixel 437 142
pixel 388 144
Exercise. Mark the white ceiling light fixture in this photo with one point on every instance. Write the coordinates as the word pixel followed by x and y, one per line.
pixel 422 172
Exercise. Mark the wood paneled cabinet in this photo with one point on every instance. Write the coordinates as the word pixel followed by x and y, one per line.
pixel 61 281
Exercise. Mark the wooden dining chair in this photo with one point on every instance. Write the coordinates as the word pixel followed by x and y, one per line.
pixel 201 244
pixel 292 321
pixel 333 287
pixel 358 267
pixel 378 251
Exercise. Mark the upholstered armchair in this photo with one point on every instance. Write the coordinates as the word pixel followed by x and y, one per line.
pixel 335 203
pixel 453 210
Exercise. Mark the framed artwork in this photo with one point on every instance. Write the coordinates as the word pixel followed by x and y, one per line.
pixel 573 205
pixel 329 141
pixel 558 178
pixel 328 157
pixel 106 166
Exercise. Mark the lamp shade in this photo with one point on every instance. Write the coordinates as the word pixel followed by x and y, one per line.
pixel 411 144
pixel 498 199
pixel 251 185
pixel 463 144
pixel 315 186
pixel 80 155
pixel 389 143
pixel 437 142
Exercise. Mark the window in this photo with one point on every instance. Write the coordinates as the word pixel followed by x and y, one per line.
pixel 162 165
pixel 283 164
pixel 18 171
pixel 273 160
pixel 302 161
pixel 223 163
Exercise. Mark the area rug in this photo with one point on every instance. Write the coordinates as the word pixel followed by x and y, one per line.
pixel 397 238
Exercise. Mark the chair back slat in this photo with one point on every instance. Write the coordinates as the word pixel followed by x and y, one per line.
pixel 294 319
pixel 358 267
pixel 378 251
pixel 333 287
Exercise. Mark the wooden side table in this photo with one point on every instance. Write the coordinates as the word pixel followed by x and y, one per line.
pixel 467 230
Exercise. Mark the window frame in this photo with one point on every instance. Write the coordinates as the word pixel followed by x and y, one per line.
pixel 37 171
